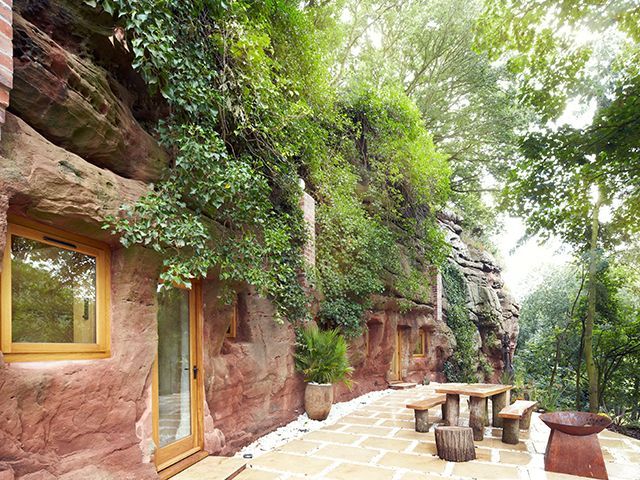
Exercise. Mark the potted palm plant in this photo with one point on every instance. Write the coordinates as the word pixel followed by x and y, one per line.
pixel 321 356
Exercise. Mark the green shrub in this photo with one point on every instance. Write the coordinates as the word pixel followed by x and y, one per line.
pixel 321 356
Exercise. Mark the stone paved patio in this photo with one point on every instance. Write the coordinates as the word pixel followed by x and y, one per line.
pixel 378 442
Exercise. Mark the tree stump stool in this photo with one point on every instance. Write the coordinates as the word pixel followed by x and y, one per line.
pixel 455 444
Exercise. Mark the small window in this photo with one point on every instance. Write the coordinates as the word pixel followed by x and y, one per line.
pixel 55 295
pixel 232 330
pixel 420 346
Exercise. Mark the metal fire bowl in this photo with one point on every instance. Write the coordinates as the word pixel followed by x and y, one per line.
pixel 576 423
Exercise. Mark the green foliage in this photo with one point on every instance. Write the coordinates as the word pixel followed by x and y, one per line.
pixel 548 45
pixel 321 355
pixel 378 196
pixel 551 323
pixel 462 365
pixel 238 78
pixel 585 52
pixel 467 102
pixel 251 111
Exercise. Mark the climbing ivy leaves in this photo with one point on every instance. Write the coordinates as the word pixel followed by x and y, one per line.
pixel 251 110
pixel 230 201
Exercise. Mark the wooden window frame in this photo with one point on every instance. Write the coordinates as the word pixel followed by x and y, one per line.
pixel 34 351
pixel 423 341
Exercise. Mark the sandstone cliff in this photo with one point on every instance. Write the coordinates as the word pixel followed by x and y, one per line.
pixel 491 308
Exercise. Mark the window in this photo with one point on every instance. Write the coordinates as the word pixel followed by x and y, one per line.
pixel 420 347
pixel 232 330
pixel 54 295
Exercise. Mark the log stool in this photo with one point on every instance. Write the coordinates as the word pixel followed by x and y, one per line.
pixel 455 444
pixel 421 410
pixel 516 417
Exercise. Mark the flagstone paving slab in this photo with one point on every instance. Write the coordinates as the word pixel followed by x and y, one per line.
pixel 421 463
pixel 342 452
pixel 333 437
pixel 300 446
pixel 350 471
pixel 386 443
pixel 285 462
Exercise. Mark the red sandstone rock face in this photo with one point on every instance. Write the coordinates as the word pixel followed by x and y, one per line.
pixel 52 185
pixel 491 307
pixel 251 385
pixel 75 104
pixel 73 420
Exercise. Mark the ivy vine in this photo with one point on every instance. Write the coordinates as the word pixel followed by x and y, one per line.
pixel 462 365
pixel 252 110
pixel 234 79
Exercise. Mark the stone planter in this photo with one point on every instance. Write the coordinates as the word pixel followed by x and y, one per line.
pixel 318 398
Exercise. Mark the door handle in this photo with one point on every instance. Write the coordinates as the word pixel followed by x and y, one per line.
pixel 195 372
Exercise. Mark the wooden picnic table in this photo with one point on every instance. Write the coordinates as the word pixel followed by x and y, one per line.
pixel 478 393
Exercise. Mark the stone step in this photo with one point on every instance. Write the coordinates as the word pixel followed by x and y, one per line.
pixel 213 468
pixel 401 385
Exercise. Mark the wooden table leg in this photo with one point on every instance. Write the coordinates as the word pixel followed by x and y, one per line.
pixel 476 417
pixel 498 402
pixel 452 410
pixel 487 421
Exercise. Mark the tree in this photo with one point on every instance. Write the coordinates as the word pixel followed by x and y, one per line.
pixel 466 102
pixel 551 184
pixel 559 304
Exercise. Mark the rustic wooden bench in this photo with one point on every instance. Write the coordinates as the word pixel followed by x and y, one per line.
pixel 421 410
pixel 516 417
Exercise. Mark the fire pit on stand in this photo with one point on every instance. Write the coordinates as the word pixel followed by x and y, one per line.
pixel 573 446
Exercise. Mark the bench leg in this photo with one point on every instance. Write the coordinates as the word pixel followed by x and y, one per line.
pixel 525 421
pixel 452 410
pixel 510 431
pixel 422 421
pixel 476 417
pixel 498 402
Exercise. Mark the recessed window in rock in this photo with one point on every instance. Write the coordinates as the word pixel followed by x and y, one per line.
pixel 53 292
pixel 54 295
pixel 174 371
pixel 420 347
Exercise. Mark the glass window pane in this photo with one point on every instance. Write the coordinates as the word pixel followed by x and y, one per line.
pixel 418 349
pixel 53 293
pixel 174 367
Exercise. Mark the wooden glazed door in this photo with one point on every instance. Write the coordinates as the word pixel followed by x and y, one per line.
pixel 177 411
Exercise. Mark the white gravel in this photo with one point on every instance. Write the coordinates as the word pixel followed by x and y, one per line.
pixel 304 424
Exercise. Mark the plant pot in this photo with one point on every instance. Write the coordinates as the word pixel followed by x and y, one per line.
pixel 318 398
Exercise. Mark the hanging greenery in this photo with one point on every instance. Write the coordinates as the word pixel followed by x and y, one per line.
pixel 251 112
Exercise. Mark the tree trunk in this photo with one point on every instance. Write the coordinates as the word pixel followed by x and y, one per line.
pixel 557 361
pixel 592 371
pixel 579 367
pixel 455 444
pixel 636 395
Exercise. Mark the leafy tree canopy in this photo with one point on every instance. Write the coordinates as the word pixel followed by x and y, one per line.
pixel 425 48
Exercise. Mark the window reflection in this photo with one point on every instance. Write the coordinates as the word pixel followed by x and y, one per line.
pixel 174 372
pixel 53 293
